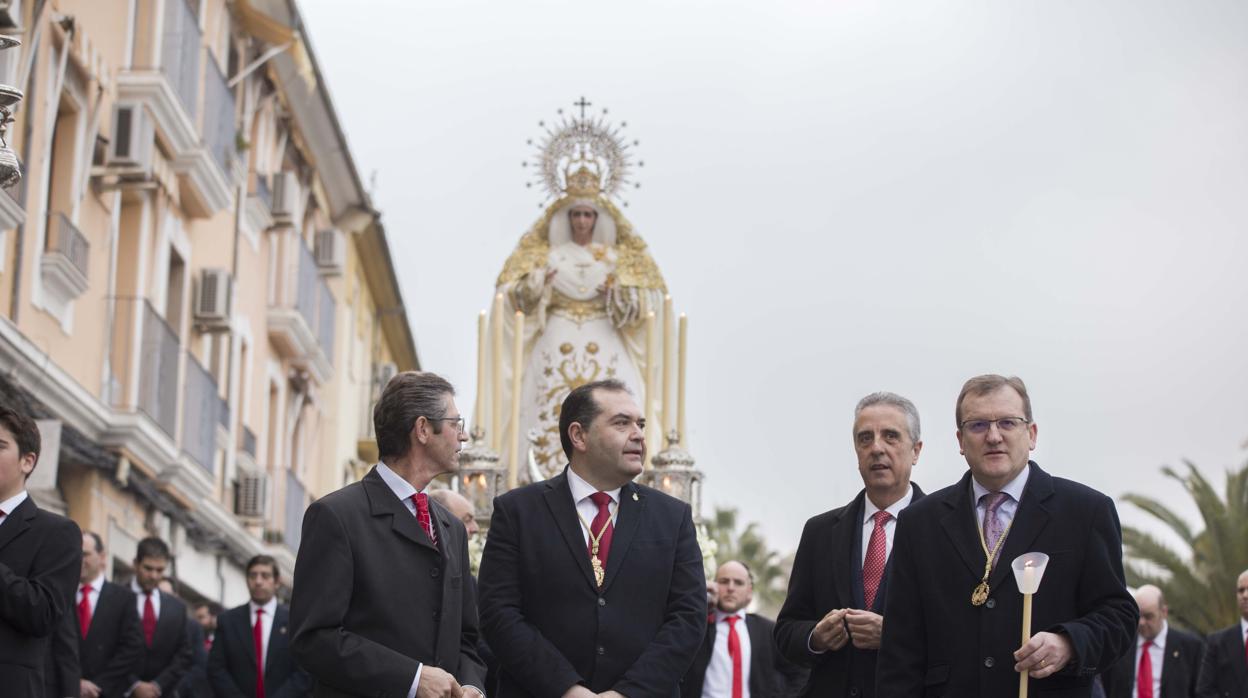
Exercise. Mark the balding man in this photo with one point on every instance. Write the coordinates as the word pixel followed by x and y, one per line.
pixel 1224 669
pixel 1166 660
pixel 739 657
pixel 460 508
pixel 832 618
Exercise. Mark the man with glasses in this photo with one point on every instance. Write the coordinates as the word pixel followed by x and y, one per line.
pixel 832 616
pixel 954 610
pixel 381 603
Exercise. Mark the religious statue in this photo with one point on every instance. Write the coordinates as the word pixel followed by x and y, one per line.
pixel 586 285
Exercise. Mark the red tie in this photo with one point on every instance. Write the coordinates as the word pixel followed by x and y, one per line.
pixel 257 634
pixel 149 618
pixel 1144 680
pixel 734 651
pixel 601 525
pixel 877 555
pixel 422 516
pixel 84 610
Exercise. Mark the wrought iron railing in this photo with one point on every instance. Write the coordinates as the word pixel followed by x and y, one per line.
pixel 67 240
pixel 201 413
pixel 219 131
pixel 158 375
pixel 180 53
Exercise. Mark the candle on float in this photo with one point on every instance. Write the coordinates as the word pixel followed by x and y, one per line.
pixel 496 387
pixel 517 356
pixel 648 381
pixel 680 381
pixel 665 401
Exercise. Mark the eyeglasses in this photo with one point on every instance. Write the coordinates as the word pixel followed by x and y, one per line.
pixel 1005 425
pixel 459 421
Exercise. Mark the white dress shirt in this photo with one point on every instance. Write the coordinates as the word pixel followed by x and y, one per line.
pixel 585 506
pixel 8 505
pixel 1243 630
pixel 404 491
pixel 94 596
pixel 1005 512
pixel 868 522
pixel 718 680
pixel 140 597
pixel 1156 656
pixel 266 625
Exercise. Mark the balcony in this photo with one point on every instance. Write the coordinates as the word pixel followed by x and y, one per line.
pixel 259 208
pixel 202 409
pixel 219 132
pixel 65 259
pixel 143 364
pixel 301 311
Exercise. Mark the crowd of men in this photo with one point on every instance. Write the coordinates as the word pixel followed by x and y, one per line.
pixel 592 585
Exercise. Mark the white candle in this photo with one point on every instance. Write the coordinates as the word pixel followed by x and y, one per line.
pixel 665 401
pixel 680 382
pixel 649 387
pixel 517 356
pixel 496 387
pixel 479 411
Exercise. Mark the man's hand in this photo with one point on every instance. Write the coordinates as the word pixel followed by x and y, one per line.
pixel 1044 654
pixel 829 634
pixel 470 692
pixel 436 683
pixel 87 689
pixel 146 689
pixel 612 694
pixel 865 628
pixel 579 691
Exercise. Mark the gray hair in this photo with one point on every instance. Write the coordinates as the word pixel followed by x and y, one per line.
pixel 907 408
pixel 407 397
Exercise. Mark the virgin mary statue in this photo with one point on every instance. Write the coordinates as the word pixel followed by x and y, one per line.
pixel 586 284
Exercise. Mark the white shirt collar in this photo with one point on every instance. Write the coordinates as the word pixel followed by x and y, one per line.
pixel 269 608
pixel 400 487
pixel 869 508
pixel 721 615
pixel 1014 487
pixel 582 489
pixel 96 584
pixel 1243 627
pixel 8 505
pixel 1159 642
pixel 138 590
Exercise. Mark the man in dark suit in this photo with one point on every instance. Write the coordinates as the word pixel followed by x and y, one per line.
pixel 592 585
pixel 162 623
pixel 250 663
pixel 739 651
pixel 1224 669
pixel 105 626
pixel 382 602
pixel 832 617
pixel 39 563
pixel 955 613
pixel 1166 660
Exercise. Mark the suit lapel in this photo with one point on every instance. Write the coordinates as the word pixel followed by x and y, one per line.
pixel 440 519
pixel 382 503
pixel 558 498
pixel 959 525
pixel 17 521
pixel 1030 519
pixel 245 635
pixel 843 538
pixel 166 623
pixel 627 520
pixel 279 636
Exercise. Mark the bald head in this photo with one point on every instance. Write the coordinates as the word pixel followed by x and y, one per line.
pixel 1153 611
pixel 459 506
pixel 735 585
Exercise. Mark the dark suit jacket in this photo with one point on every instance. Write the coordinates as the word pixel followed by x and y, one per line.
pixel 374 598
pixel 549 624
pixel 937 644
pixel 113 648
pixel 1179 668
pixel 232 662
pixel 771 675
pixel 62 673
pixel 194 683
pixel 827 574
pixel 168 658
pixel 1224 670
pixel 40 560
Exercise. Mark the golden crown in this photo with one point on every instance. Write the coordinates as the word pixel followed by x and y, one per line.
pixel 584 183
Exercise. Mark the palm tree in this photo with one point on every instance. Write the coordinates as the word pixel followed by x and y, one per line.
pixel 1198 581
pixel 769 567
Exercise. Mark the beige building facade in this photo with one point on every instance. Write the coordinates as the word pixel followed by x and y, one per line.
pixel 197 299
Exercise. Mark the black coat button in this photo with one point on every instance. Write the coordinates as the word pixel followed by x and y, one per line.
pixel 991 603
pixel 988 662
pixel 602 601
pixel 434 572
pixel 601 650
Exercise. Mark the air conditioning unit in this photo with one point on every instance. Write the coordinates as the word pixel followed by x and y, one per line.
pixel 331 250
pixel 133 138
pixel 10 14
pixel 250 490
pixel 212 305
pixel 287 198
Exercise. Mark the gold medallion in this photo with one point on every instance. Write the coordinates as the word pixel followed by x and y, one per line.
pixel 599 573
pixel 980 595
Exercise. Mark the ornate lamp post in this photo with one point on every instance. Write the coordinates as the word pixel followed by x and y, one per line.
pixel 673 473
pixel 481 477
pixel 10 168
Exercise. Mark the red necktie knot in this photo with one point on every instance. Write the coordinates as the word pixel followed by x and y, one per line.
pixel 422 516
pixel 601 528
pixel 84 611
pixel 876 558
pixel 602 500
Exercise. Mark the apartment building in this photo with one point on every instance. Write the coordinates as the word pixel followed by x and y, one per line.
pixel 197 299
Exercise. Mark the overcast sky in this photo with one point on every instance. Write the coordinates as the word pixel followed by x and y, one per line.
pixel 853 196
